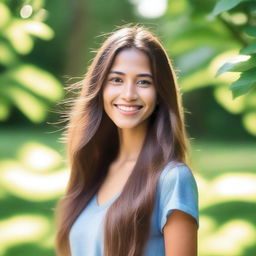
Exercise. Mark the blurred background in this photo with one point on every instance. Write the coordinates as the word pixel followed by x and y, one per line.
pixel 46 45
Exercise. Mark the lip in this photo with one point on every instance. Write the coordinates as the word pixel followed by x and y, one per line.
pixel 128 113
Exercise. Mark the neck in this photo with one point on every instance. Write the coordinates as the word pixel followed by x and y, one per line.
pixel 130 143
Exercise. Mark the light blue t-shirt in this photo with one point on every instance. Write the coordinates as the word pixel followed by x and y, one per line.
pixel 176 189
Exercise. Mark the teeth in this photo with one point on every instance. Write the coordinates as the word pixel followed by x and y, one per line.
pixel 126 108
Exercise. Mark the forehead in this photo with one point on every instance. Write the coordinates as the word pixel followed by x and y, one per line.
pixel 131 59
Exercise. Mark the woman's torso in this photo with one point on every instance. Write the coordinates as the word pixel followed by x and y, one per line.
pixel 86 234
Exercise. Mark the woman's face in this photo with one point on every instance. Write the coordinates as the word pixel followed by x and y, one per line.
pixel 129 94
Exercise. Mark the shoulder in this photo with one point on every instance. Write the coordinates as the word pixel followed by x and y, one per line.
pixel 177 189
pixel 176 172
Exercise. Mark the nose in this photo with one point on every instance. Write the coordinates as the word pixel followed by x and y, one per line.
pixel 129 91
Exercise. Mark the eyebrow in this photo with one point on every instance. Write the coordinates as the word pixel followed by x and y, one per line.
pixel 138 75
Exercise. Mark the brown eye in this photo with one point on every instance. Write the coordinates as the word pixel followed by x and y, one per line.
pixel 144 82
pixel 115 80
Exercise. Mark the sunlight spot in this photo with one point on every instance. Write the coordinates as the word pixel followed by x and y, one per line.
pixel 202 183
pixel 20 40
pixel 5 14
pixel 39 81
pixel 29 104
pixel 26 11
pixel 22 228
pixel 235 185
pixel 207 224
pixel 221 59
pixel 228 187
pixel 39 29
pixel 225 99
pixel 239 18
pixel 32 186
pixel 239 58
pixel 231 239
pixel 39 157
pixel 151 8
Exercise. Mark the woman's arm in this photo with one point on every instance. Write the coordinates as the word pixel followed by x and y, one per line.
pixel 180 234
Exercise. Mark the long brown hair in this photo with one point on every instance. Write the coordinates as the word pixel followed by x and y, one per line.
pixel 127 222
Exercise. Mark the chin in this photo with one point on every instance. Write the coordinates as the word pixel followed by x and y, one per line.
pixel 129 125
pixel 125 126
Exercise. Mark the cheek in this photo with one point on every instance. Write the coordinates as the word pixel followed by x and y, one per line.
pixel 151 98
pixel 108 95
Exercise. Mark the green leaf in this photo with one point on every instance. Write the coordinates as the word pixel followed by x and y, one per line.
pixel 38 29
pixel 38 81
pixel 225 5
pixel 237 66
pixel 7 54
pixel 250 49
pixel 5 15
pixel 251 31
pixel 29 105
pixel 246 81
pixel 239 91
pixel 224 98
pixel 18 38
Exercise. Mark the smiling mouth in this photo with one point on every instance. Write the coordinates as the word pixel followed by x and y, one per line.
pixel 128 108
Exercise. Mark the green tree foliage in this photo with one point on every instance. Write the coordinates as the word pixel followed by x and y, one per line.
pixel 244 12
pixel 24 85
pixel 246 33
pixel 201 37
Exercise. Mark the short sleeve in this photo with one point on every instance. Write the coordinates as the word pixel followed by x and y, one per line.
pixel 178 190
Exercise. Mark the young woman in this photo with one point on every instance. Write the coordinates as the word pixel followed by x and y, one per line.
pixel 130 192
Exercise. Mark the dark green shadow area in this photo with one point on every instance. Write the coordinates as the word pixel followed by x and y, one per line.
pixel 229 210
pixel 12 139
pixel 250 251
pixel 13 205
pixel 28 249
